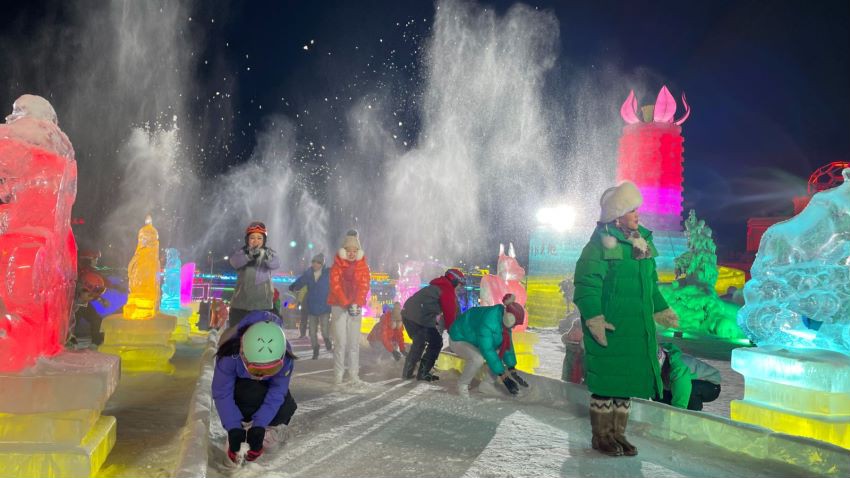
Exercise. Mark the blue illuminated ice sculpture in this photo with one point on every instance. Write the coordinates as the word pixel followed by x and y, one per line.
pixel 799 294
pixel 171 284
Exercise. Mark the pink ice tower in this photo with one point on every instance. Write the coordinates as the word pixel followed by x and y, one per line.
pixel 650 155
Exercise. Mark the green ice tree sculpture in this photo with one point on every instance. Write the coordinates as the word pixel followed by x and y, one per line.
pixel 698 266
pixel 692 294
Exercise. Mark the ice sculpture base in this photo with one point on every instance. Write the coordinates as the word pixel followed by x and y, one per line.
pixel 58 461
pixel 72 380
pixel 182 327
pixel 835 430
pixel 800 392
pixel 50 422
pixel 811 369
pixel 143 345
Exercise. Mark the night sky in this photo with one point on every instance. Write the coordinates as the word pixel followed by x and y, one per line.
pixel 767 83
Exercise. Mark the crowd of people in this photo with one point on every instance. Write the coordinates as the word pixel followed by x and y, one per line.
pixel 611 346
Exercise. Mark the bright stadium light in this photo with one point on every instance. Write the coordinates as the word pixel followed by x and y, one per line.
pixel 559 218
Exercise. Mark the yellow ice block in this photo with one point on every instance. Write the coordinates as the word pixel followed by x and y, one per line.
pixel 59 461
pixel 835 430
pixel 367 323
pixel 795 398
pixel 526 360
pixel 449 361
pixel 728 277
pixel 155 331
pixel 545 302
pixel 67 427
pixel 142 358
pixel 181 329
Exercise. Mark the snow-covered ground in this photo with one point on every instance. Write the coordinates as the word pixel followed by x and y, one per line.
pixel 393 427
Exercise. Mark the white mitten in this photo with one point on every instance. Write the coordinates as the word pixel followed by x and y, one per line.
pixel 597 326
pixel 667 318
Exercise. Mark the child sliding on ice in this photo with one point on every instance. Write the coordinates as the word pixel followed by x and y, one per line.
pixel 251 385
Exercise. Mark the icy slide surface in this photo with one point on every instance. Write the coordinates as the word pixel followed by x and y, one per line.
pixel 405 428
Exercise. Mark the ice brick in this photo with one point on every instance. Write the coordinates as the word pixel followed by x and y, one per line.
pixel 835 430
pixel 60 461
pixel 142 358
pixel 55 427
pixel 810 369
pixel 155 331
pixel 546 305
pixel 796 399
pixel 181 329
pixel 68 381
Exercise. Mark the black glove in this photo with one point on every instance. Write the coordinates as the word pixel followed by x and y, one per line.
pixel 515 375
pixel 404 352
pixel 253 253
pixel 396 355
pixel 354 310
pixel 255 438
pixel 235 438
pixel 511 385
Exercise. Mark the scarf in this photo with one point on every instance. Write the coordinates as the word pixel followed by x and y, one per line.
pixel 640 248
pixel 506 341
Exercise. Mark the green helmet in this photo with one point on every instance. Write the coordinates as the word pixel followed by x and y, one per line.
pixel 263 342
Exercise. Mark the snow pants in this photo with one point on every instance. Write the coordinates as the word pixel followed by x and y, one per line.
pixel 345 330
pixel 249 395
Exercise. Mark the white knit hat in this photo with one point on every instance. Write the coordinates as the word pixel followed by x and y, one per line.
pixel 619 200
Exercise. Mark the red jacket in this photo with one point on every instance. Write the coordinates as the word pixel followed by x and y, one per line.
pixel 385 332
pixel 344 293
pixel 448 300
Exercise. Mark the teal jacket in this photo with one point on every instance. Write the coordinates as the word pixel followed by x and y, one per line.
pixel 610 282
pixel 482 327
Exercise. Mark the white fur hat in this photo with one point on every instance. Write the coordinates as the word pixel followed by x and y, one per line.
pixel 619 200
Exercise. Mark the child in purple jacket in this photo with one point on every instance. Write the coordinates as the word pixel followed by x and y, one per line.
pixel 250 385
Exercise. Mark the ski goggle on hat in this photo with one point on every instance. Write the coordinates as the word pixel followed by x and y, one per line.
pixel 263 348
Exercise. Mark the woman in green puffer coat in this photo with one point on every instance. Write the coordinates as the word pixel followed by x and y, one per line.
pixel 617 294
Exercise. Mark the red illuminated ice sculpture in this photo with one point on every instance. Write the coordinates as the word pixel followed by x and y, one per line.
pixel 38 253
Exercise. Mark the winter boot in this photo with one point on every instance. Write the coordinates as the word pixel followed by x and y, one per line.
pixel 621 418
pixel 602 426
pixel 409 367
pixel 315 353
pixel 425 372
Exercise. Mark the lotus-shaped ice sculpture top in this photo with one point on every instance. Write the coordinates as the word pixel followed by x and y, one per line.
pixel 799 294
pixel 663 112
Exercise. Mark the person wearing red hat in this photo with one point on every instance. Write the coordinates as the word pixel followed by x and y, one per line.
pixel 483 335
pixel 85 320
pixel 254 263
pixel 419 316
